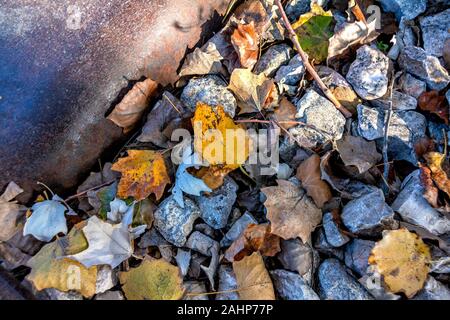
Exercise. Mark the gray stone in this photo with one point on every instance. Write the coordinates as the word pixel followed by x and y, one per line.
pixel 106 279
pixel 299 257
pixel 175 223
pixel 55 294
pixel 236 230
pixel 196 288
pixel 292 73
pixel 291 286
pixel 211 90
pixel 368 215
pixel 438 132
pixel 412 86
pixel 295 8
pixel 440 265
pixel 325 122
pixel 428 68
pixel 373 282
pixel 335 283
pixel 409 9
pixel 357 255
pixel 433 290
pixel 435 32
pixel 183 259
pixel 415 209
pixel 110 296
pixel 216 207
pixel 227 284
pixel 275 57
pixel 332 232
pixel 406 128
pixel 203 244
pixel 205 229
pixel 400 102
pixel 368 73
pixel 321 244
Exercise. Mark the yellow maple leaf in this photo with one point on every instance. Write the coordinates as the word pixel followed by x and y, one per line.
pixel 222 143
pixel 50 270
pixel 153 280
pixel 143 172
pixel 403 259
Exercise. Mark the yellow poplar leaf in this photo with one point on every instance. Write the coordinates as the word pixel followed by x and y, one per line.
pixel 132 107
pixel 222 143
pixel 153 280
pixel 403 259
pixel 253 279
pixel 50 270
pixel 143 172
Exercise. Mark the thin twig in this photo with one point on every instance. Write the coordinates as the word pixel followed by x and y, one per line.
pixel 78 195
pixel 309 67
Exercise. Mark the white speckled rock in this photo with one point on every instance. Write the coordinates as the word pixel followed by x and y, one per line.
pixel 400 102
pixel 110 296
pixel 290 286
pixel 409 9
pixel 292 73
pixel 433 290
pixel 415 209
pixel 275 57
pixel 175 223
pixel 211 90
pixel 106 279
pixel 435 32
pixel 412 86
pixel 368 73
pixel 325 122
pixel 428 68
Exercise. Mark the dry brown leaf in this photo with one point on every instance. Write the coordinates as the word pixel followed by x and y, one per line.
pixel 130 110
pixel 254 92
pixel 430 192
pixel 253 279
pixel 143 172
pixel 310 176
pixel 254 238
pixel 203 61
pixel 358 152
pixel 291 213
pixel 434 103
pixel 245 40
pixel 403 260
pixel 285 113
pixel 435 162
pixel 10 212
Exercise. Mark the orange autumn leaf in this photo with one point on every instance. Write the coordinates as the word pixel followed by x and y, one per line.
pixel 222 143
pixel 143 172
pixel 246 43
pixel 254 238
pixel 435 161
pixel 310 176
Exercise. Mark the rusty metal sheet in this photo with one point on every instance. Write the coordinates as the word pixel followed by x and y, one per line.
pixel 63 63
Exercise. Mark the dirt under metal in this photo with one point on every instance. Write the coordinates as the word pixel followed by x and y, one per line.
pixel 63 65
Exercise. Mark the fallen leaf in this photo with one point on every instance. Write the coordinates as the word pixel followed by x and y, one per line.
pixel 130 110
pixel 253 279
pixel 430 192
pixel 185 182
pixel 47 220
pixel 101 199
pixel 284 113
pixel 144 213
pixel 435 162
pixel 10 212
pixel 108 244
pixel 423 145
pixel 168 114
pixel 255 238
pixel 153 280
pixel 434 103
pixel 291 213
pixel 358 152
pixel 246 43
pixel 50 269
pixel 223 153
pixel 349 36
pixel 403 260
pixel 254 92
pixel 314 29
pixel 143 172
pixel 310 176
pixel 203 61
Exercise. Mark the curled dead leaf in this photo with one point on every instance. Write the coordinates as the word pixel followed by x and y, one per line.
pixel 245 40
pixel 434 103
pixel 435 162
pixel 358 152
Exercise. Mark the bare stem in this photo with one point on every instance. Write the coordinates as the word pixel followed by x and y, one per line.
pixel 309 67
